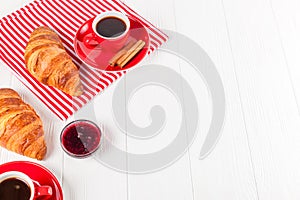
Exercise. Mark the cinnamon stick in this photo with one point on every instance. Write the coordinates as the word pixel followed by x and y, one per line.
pixel 123 51
pixel 137 47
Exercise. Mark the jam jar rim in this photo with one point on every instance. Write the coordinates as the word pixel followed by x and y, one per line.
pixel 80 155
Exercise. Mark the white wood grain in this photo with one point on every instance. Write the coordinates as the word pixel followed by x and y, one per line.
pixel 227 173
pixel 268 100
pixel 255 46
pixel 287 20
pixel 286 16
pixel 25 2
pixel 88 179
pixel 9 7
pixel 173 182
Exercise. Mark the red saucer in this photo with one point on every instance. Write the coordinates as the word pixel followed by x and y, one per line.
pixel 37 173
pixel 99 59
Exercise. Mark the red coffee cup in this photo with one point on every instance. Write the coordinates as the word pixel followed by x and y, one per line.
pixel 18 186
pixel 110 31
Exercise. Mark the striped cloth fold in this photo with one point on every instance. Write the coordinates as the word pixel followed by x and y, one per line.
pixel 65 17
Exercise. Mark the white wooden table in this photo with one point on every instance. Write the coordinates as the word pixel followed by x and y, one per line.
pixel 255 46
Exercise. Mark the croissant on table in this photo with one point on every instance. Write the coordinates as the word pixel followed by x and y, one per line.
pixel 21 129
pixel 47 60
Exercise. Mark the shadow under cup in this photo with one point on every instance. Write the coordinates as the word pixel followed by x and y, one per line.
pixel 18 186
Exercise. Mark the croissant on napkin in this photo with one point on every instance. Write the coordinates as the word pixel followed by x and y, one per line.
pixel 21 129
pixel 47 60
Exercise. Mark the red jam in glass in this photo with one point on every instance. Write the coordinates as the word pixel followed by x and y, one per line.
pixel 80 138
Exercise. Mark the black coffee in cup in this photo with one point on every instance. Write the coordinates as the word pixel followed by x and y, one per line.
pixel 111 27
pixel 14 189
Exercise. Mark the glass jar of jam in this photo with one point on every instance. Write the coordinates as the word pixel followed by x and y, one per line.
pixel 80 138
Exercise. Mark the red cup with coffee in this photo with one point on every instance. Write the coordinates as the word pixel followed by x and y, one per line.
pixel 110 31
pixel 16 185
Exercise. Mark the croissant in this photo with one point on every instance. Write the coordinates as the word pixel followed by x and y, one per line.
pixel 21 129
pixel 47 60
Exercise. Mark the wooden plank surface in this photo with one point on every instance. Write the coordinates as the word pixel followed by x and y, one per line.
pixel 268 99
pixel 221 173
pixel 255 46
pixel 174 182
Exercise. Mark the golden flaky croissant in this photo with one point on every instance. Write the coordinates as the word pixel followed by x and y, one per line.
pixel 21 129
pixel 47 60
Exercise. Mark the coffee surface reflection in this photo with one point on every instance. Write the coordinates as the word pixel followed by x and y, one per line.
pixel 14 189
pixel 111 27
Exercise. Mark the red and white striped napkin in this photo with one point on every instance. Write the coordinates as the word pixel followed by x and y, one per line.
pixel 65 17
